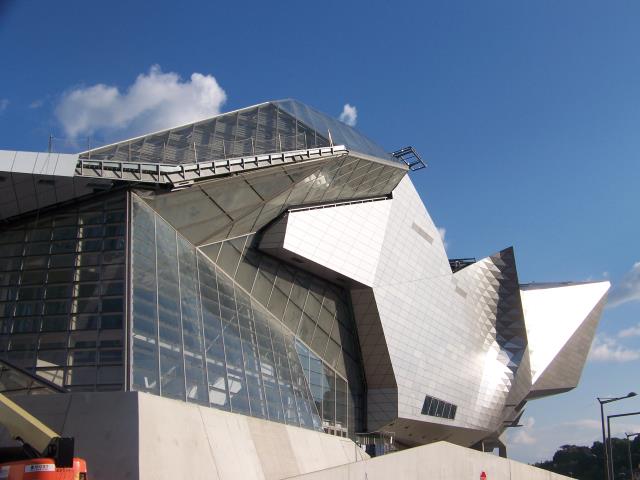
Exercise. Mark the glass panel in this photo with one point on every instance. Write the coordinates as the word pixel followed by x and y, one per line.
pixel 169 323
pixel 268 365
pixel 262 287
pixel 277 302
pixel 81 376
pixel 316 382
pixel 292 317
pixel 284 377
pixel 113 374
pixel 214 346
pixel 247 269
pixel 306 412
pixel 192 324
pixel 307 327
pixel 251 356
pixel 233 347
pixel 341 403
pixel 319 343
pixel 145 362
pixel 332 352
pixel 230 255
pixel 329 395
pixel 433 407
pixel 312 306
pixel 340 132
pixel 58 283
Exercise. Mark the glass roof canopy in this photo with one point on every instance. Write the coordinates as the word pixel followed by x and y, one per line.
pixel 271 127
pixel 341 133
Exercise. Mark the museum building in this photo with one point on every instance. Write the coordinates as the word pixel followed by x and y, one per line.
pixel 270 262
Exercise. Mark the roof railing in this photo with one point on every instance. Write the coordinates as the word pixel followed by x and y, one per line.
pixel 183 175
pixel 458 264
pixel 189 151
pixel 410 157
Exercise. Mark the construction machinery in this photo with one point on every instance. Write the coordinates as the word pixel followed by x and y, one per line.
pixel 42 454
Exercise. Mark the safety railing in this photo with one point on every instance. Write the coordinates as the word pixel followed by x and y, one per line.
pixel 190 150
pixel 178 175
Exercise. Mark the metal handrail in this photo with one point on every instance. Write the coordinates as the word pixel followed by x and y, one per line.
pixel 192 153
pixel 177 174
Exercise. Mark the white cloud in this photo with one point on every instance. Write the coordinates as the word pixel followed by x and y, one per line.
pixel 606 349
pixel 349 115
pixel 587 423
pixel 627 289
pixel 523 435
pixel 154 101
pixel 443 233
pixel 630 332
pixel 36 104
pixel 4 103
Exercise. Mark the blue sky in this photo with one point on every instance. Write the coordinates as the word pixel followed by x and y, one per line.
pixel 527 113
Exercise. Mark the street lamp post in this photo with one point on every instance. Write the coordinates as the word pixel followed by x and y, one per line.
pixel 609 417
pixel 629 435
pixel 602 401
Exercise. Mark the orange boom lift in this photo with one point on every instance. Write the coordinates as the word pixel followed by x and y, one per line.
pixel 43 455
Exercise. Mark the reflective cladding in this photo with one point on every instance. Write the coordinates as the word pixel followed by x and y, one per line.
pixel 199 337
pixel 214 210
pixel 283 125
pixel 318 313
pixel 62 278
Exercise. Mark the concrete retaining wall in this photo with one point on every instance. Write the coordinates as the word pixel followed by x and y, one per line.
pixel 188 441
pixel 131 435
pixel 437 461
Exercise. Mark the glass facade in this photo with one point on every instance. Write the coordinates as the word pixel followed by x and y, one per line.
pixel 341 133
pixel 318 313
pixel 62 284
pixel 200 337
pixel 226 326
pixel 264 128
pixel 329 390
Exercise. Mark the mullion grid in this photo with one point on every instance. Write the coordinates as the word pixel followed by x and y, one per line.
pixel 323 299
pixel 78 362
pixel 296 409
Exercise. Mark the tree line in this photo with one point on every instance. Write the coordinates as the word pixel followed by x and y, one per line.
pixel 587 463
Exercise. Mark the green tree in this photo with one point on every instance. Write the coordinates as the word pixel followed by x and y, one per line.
pixel 587 463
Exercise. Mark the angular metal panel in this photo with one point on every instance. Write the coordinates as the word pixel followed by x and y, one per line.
pixel 561 321
pixel 553 313
pixel 214 210
pixel 423 330
pixel 31 181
